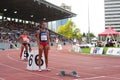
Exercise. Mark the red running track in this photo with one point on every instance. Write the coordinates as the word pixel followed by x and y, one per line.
pixel 89 67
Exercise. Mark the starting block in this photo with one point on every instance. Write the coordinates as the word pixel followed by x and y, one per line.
pixel 62 73
pixel 73 74
pixel 32 63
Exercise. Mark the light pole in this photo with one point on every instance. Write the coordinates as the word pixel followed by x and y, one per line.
pixel 88 24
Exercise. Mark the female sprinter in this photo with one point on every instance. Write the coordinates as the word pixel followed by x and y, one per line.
pixel 43 44
pixel 24 38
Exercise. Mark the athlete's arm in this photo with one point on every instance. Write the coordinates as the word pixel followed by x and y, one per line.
pixel 29 38
pixel 20 39
pixel 38 37
pixel 48 37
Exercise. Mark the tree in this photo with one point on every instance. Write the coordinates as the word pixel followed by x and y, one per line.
pixel 76 33
pixel 69 30
pixel 92 35
pixel 84 35
pixel 65 30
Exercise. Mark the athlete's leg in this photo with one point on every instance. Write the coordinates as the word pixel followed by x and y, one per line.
pixel 40 55
pixel 46 49
pixel 26 48
pixel 29 47
pixel 56 45
pixel 22 47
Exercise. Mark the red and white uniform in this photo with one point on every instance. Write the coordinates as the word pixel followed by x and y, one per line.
pixel 25 39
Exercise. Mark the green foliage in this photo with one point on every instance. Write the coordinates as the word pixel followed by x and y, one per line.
pixel 92 35
pixel 86 34
pixel 76 33
pixel 69 30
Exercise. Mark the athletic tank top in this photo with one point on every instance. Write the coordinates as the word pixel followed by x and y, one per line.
pixel 43 36
pixel 24 39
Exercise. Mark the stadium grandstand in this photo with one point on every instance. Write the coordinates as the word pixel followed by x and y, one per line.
pixel 19 15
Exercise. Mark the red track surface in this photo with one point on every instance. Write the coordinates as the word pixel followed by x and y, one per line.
pixel 89 67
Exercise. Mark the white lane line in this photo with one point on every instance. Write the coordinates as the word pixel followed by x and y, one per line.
pixel 18 69
pixel 114 78
pixel 116 66
pixel 97 77
pixel 97 67
pixel 2 78
pixel 93 78
pixel 50 67
pixel 79 73
pixel 14 59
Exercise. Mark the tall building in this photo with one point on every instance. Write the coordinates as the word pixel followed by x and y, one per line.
pixel 54 25
pixel 112 14
pixel 63 21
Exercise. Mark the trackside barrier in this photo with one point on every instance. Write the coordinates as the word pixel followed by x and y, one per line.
pixel 76 48
pixel 97 50
pixel 13 45
pixel 4 44
pixel 32 63
pixel 113 51
pixel 33 44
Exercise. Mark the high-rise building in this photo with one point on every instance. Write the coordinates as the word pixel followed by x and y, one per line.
pixel 54 25
pixel 112 14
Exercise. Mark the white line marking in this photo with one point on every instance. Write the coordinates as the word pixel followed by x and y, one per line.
pixel 55 78
pixel 2 78
pixel 97 67
pixel 98 77
pixel 114 77
pixel 92 78
pixel 14 59
pixel 116 66
pixel 50 67
pixel 80 72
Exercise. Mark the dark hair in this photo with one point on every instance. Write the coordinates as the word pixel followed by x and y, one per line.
pixel 42 22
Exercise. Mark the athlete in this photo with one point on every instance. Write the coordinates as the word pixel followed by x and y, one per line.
pixel 43 44
pixel 24 39
pixel 57 41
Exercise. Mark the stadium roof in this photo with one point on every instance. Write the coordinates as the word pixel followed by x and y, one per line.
pixel 33 10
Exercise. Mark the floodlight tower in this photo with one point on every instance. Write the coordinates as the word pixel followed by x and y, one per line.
pixel 88 24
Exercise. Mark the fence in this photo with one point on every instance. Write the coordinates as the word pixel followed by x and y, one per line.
pixel 6 44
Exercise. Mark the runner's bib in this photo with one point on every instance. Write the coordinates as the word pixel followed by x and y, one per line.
pixel 43 36
pixel 25 38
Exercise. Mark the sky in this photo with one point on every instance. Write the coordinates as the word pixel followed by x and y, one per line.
pixel 90 13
